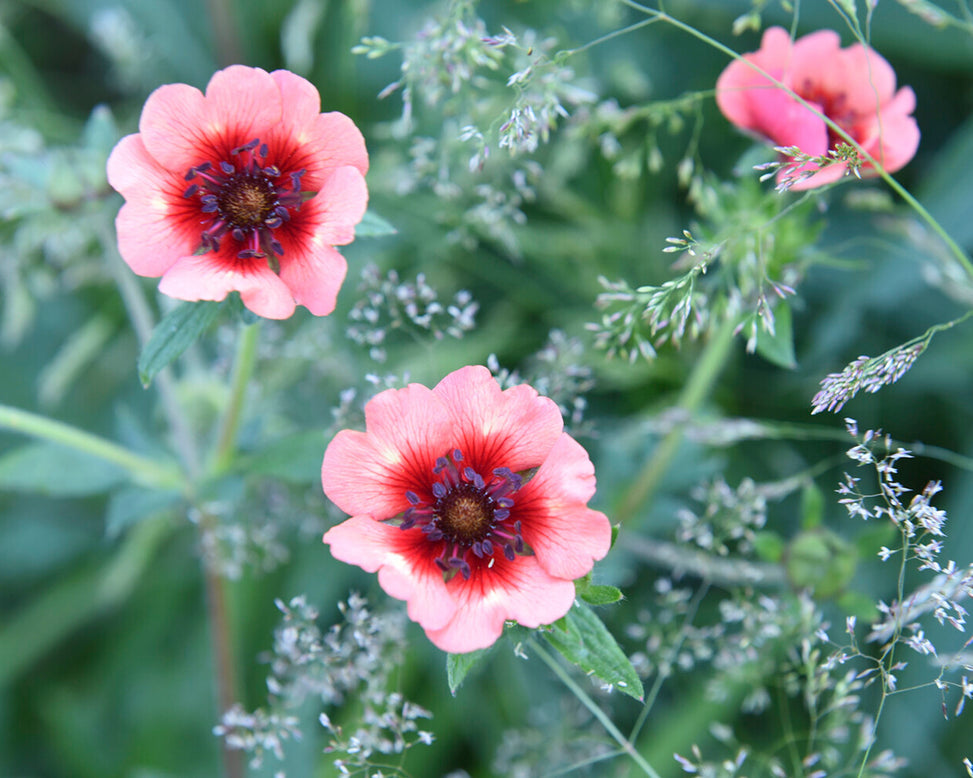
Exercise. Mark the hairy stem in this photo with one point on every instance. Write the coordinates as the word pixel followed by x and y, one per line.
pixel 142 469
pixel 223 656
pixel 243 365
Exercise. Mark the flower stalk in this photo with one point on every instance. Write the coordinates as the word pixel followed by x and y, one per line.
pixel 143 470
pixel 243 365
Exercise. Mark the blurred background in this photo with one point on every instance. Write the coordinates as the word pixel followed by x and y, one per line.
pixel 105 655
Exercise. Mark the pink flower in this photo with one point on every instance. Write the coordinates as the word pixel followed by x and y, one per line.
pixel 854 87
pixel 470 503
pixel 247 188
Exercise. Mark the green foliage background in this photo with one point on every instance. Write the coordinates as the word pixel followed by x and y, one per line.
pixel 105 665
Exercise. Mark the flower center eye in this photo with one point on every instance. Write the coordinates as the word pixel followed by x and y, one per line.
pixel 468 517
pixel 465 513
pixel 247 199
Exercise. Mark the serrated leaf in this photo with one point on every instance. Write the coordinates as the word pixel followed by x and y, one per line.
pixel 778 347
pixel 601 594
pixel 296 458
pixel 173 335
pixel 373 226
pixel 131 505
pixel 458 667
pixel 585 641
pixel 58 471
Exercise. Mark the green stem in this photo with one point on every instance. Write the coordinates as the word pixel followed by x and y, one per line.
pixel 613 34
pixel 591 705
pixel 144 470
pixel 913 203
pixel 697 388
pixel 246 357
pixel 224 660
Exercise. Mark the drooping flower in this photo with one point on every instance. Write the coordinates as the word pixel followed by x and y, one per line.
pixel 247 188
pixel 470 503
pixel 854 87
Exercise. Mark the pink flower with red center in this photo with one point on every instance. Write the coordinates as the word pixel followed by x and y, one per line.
pixel 470 503
pixel 854 87
pixel 246 188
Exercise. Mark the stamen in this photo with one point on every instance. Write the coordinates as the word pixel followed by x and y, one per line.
pixel 468 516
pixel 247 146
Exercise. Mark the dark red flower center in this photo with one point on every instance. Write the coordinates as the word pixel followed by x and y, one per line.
pixel 835 106
pixel 247 199
pixel 467 514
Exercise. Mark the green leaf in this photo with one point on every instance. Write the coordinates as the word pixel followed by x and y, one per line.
pixel 459 665
pixel 295 459
pixel 583 640
pixel 778 347
pixel 596 594
pixel 812 507
pixel 58 471
pixel 131 505
pixel 820 560
pixel 769 546
pixel 600 594
pixel 373 226
pixel 173 335
pixel 860 605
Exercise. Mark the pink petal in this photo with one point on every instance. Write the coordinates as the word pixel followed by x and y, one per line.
pixel 520 591
pixel 209 277
pixel 566 536
pixel 337 207
pixel 155 226
pixel 739 82
pixel 244 103
pixel 300 99
pixel 405 568
pixel 868 79
pixel 171 125
pixel 324 144
pixel 786 122
pixel 313 278
pixel 181 127
pixel 324 141
pixel 515 428
pixel 816 63
pixel 370 472
pixel 342 141
pixel 893 137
